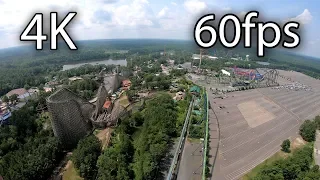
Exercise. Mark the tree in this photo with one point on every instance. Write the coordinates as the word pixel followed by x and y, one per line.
pixel 286 146
pixel 308 130
pixel 114 162
pixel 13 97
pixel 34 160
pixel 5 99
pixel 317 121
pixel 27 86
pixel 296 166
pixel 85 156
pixel 41 87
pixel 131 94
pixel 160 116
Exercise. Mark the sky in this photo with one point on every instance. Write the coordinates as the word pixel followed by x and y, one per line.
pixel 160 19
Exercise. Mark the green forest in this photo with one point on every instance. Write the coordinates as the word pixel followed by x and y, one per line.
pixel 138 145
pixel 28 149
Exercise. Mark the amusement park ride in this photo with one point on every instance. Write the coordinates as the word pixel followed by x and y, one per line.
pixel 245 77
pixel 250 75
pixel 269 76
pixel 240 76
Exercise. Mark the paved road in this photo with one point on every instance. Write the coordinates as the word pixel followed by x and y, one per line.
pixel 191 162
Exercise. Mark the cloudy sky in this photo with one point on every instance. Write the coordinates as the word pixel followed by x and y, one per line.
pixel 165 19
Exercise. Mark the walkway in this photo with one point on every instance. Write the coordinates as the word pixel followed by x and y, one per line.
pixel 191 161
pixel 213 142
pixel 174 168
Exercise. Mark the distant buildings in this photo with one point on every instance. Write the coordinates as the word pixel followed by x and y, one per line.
pixel 52 83
pixel 5 114
pixel 165 70
pixel 170 62
pixel 75 78
pixel 195 90
pixel 107 106
pixel 235 59
pixel 212 57
pixel 197 56
pixel 126 84
pixel 179 96
pixel 47 89
pixel 225 72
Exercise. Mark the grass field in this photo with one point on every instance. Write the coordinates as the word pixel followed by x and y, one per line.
pixel 124 101
pixel 296 144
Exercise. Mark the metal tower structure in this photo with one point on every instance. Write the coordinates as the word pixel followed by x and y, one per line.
pixel 202 52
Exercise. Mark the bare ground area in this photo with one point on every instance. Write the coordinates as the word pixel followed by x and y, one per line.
pixel 104 136
pixel 70 172
pixel 254 114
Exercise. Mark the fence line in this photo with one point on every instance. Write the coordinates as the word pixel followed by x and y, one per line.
pixel 181 142
pixel 204 162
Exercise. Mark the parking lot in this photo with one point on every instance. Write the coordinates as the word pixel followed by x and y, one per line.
pixel 254 123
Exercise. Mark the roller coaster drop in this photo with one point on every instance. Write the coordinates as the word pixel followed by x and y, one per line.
pixel 271 77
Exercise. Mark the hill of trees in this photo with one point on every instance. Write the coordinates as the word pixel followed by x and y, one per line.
pixel 28 149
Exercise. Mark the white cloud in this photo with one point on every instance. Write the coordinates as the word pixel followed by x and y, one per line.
pixel 163 12
pixel 173 3
pixel 305 17
pixel 134 14
pixel 15 14
pixel 195 6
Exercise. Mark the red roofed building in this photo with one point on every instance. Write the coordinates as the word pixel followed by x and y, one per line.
pixel 21 92
pixel 108 106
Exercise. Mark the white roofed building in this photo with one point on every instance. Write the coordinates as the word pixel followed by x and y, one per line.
pixel 225 72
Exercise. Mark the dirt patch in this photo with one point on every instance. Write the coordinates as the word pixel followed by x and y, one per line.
pixel 298 142
pixel 69 163
pixel 70 172
pixel 255 114
pixel 104 136
pixel 295 144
